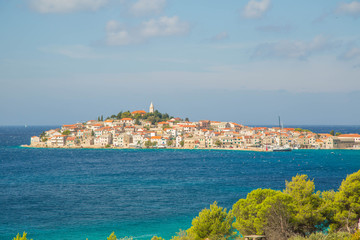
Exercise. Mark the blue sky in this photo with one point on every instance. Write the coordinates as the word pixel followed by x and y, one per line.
pixel 247 61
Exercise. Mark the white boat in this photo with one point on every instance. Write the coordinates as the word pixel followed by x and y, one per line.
pixel 282 149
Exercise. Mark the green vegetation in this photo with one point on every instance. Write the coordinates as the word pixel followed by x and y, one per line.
pixel 299 211
pixel 66 132
pixel 112 236
pixel 337 134
pixel 218 143
pixel 296 213
pixel 182 143
pixel 346 204
pixel 154 117
pixel 149 144
pixel 157 238
pixel 213 223
pixel 42 135
pixel 170 143
pixel 165 126
pixel 322 236
pixel 302 130
pixel 18 237
pixel 332 133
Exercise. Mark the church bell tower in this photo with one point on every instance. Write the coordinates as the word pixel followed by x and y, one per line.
pixel 151 109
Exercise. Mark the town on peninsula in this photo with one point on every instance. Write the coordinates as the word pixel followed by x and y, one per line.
pixel 141 129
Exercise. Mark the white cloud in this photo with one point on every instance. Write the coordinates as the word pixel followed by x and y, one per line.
pixel 72 51
pixel 350 54
pixel 352 8
pixel 164 26
pixel 146 7
pixel 256 9
pixel 294 49
pixel 220 36
pixel 65 6
pixel 119 34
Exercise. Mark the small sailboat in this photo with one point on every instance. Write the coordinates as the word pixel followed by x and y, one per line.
pixel 280 147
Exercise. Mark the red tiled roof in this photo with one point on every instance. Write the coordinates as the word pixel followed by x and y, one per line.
pixel 354 135
pixel 138 112
pixel 156 137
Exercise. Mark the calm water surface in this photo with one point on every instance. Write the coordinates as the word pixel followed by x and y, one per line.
pixel 79 194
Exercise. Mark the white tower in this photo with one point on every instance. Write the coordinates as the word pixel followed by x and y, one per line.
pixel 151 109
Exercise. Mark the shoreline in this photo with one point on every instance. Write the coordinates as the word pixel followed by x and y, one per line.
pixel 226 149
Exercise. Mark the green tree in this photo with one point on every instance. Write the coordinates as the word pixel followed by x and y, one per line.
pixel 332 132
pixel 112 236
pixel 182 143
pixel 43 134
pixel 302 130
pixel 157 238
pixel 170 143
pixel 214 223
pixel 323 236
pixel 66 132
pixel 347 203
pixel 250 212
pixel 307 204
pixel 337 134
pixel 278 213
pixel 181 235
pixel 126 114
pixel 148 144
pixel 187 120
pixel 137 121
pixel 19 237
pixel 218 143
pixel 118 116
pixel 165 126
pixel 102 118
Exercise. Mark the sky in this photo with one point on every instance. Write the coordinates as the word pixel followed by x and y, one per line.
pixel 245 61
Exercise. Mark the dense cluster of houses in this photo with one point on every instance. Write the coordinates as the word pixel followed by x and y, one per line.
pixel 176 133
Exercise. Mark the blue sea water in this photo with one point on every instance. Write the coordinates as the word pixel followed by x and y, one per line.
pixel 84 193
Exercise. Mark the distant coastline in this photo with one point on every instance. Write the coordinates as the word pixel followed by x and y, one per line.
pixel 152 129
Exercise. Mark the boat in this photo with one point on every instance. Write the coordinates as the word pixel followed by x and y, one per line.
pixel 281 148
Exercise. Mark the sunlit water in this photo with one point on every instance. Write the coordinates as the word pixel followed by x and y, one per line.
pixel 77 194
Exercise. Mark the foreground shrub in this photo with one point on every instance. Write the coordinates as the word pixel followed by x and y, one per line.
pixel 182 235
pixel 214 223
pixel 322 236
pixel 157 238
pixel 18 237
pixel 356 235
pixel 347 204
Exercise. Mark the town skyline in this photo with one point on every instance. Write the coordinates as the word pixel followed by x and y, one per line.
pixel 152 129
pixel 246 61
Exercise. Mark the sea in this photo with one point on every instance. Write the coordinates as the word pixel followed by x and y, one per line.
pixel 74 194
